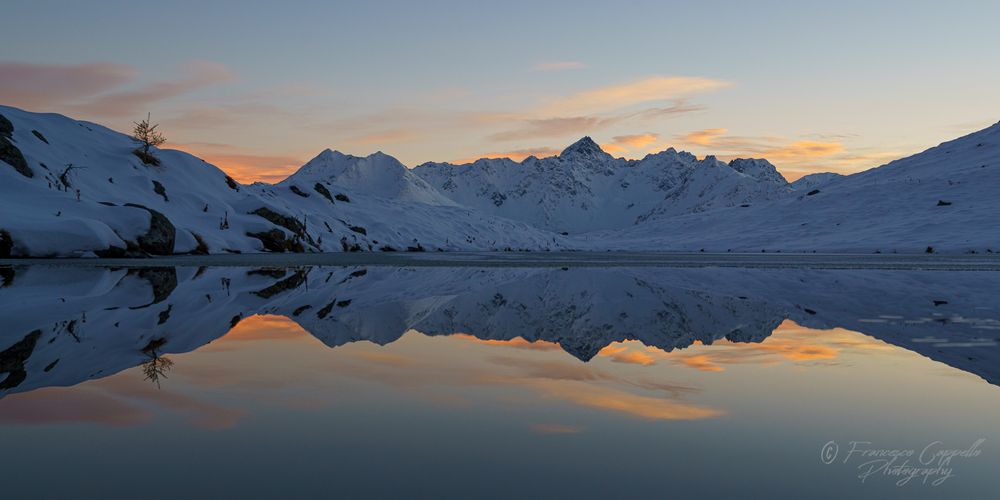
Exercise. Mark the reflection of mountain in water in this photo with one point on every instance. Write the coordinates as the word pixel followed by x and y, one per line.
pixel 61 326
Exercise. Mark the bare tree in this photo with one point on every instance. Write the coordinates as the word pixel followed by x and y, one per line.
pixel 156 367
pixel 147 136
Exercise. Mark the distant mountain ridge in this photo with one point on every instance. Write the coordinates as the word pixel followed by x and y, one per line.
pixel 585 189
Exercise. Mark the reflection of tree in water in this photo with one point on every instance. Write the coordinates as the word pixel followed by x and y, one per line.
pixel 156 366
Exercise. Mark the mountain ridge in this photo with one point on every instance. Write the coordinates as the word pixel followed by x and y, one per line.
pixel 74 189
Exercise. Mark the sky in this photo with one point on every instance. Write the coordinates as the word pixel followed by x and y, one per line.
pixel 259 88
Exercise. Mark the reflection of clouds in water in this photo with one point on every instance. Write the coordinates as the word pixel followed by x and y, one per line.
pixel 544 377
pixel 121 400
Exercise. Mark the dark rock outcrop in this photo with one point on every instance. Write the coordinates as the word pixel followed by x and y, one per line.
pixel 163 281
pixel 13 358
pixel 6 244
pixel 9 152
pixel 289 223
pixel 292 282
pixel 322 190
pixel 276 241
pixel 160 238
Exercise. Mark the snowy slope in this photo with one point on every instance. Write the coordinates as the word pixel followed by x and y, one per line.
pixel 813 181
pixel 944 198
pixel 187 205
pixel 585 189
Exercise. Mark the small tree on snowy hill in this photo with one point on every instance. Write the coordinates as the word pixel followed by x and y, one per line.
pixel 147 136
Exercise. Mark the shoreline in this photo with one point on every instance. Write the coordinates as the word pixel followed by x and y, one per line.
pixel 944 262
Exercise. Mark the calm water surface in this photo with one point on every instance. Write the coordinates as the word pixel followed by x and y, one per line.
pixel 351 382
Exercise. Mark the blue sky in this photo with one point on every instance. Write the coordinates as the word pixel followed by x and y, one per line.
pixel 259 87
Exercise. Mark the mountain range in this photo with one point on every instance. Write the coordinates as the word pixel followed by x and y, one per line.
pixel 74 189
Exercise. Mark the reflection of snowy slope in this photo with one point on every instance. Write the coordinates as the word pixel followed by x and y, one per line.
pixel 61 326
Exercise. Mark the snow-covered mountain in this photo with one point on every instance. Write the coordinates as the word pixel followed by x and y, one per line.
pixel 585 189
pixel 941 200
pixel 378 175
pixel 72 188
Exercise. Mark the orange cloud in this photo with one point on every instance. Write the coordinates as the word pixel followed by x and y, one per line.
pixel 804 150
pixel 637 141
pixel 624 144
pixel 703 137
pixel 614 148
pixel 243 167
pixel 794 158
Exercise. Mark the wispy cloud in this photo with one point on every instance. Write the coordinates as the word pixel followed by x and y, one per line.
pixel 194 76
pixel 558 66
pixel 393 136
pixel 629 144
pixel 615 97
pixel 636 141
pixel 37 86
pixel 703 137
pixel 553 127
pixel 794 157
pixel 99 89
